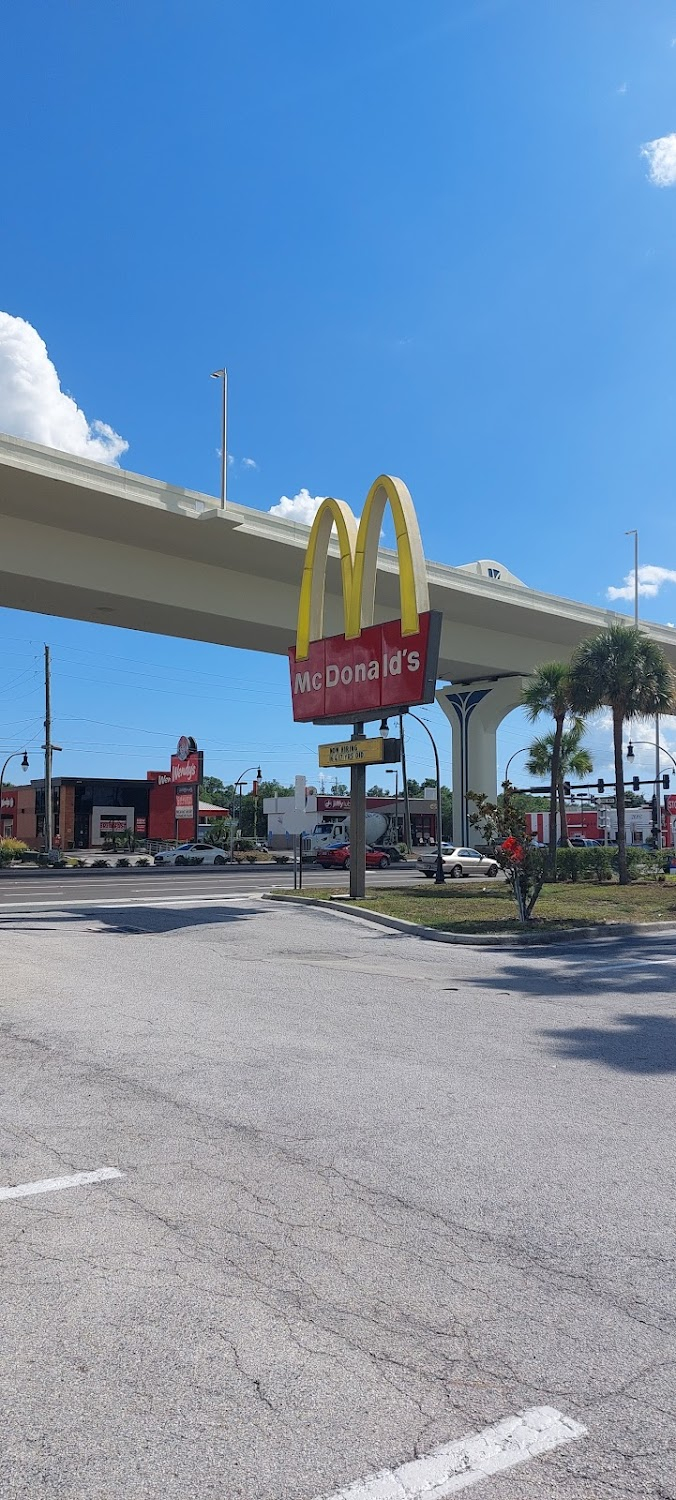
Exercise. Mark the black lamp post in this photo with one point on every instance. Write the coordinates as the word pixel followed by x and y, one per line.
pixel 439 877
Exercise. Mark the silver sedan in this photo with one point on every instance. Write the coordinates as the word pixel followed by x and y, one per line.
pixel 457 862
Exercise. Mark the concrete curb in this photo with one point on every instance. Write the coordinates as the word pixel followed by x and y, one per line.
pixel 478 939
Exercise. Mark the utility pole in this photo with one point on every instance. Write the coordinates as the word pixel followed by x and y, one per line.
pixel 49 818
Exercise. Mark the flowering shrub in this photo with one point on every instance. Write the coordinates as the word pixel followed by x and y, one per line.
pixel 504 828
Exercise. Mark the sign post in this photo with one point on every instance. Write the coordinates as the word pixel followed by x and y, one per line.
pixel 358 823
pixel 373 670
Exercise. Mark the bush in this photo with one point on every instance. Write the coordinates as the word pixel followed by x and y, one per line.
pixel 10 849
pixel 100 864
pixel 189 859
pixel 645 864
pixel 281 859
pixel 242 845
pixel 143 861
pixel 123 863
pixel 251 859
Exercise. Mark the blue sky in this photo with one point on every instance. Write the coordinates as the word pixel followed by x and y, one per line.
pixel 425 239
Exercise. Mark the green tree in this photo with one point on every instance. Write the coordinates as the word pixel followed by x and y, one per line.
pixel 213 790
pixel 623 670
pixel 574 760
pixel 548 692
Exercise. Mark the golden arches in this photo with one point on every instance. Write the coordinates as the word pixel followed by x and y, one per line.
pixel 359 563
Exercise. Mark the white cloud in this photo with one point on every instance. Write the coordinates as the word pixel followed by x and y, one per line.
pixel 661 158
pixel 301 507
pixel 650 581
pixel 249 463
pixel 33 405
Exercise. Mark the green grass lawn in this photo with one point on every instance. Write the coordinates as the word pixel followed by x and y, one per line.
pixel 471 906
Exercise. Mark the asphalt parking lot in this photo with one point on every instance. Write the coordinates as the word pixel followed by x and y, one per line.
pixel 376 1198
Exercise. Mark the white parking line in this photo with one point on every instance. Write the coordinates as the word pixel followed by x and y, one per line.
pixel 57 1184
pixel 461 1464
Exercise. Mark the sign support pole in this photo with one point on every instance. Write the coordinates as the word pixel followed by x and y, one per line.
pixel 358 824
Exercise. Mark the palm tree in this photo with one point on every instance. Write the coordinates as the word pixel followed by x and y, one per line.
pixel 623 670
pixel 574 760
pixel 548 692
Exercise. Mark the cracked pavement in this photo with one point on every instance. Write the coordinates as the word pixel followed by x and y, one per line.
pixel 378 1194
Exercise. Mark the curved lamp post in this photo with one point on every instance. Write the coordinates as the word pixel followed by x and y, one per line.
pixel 523 751
pixel 236 784
pixel 663 751
pixel 439 877
pixel 24 767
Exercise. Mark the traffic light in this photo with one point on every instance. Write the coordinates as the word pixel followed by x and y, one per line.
pixel 566 788
pixel 636 783
pixel 600 786
pixel 665 781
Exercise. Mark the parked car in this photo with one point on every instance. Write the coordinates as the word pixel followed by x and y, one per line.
pixel 337 856
pixel 208 854
pixel 578 842
pixel 457 862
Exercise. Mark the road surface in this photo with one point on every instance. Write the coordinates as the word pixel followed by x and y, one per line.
pixel 375 1196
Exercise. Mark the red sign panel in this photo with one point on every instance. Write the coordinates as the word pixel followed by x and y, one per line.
pixel 670 801
pixel 382 670
pixel 113 825
pixel 185 799
pixel 186 771
pixel 141 825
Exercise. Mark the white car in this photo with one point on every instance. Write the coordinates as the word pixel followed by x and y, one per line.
pixel 207 854
pixel 457 862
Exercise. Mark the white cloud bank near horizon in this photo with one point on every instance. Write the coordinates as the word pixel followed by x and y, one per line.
pixel 33 405
pixel 650 580
pixel 301 507
pixel 660 155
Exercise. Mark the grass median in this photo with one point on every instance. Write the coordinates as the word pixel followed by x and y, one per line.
pixel 471 906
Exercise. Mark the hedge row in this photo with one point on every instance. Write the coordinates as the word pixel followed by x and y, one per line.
pixel 601 864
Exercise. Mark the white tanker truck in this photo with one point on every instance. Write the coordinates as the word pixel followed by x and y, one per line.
pixel 380 829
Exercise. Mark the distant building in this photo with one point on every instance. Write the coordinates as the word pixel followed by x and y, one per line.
pixel 330 813
pixel 88 811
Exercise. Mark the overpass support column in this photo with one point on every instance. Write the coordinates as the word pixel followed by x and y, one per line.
pixel 475 709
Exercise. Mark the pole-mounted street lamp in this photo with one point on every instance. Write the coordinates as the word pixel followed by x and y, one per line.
pixel 24 767
pixel 395 773
pixel 235 785
pixel 439 877
pixel 522 751
pixel 223 375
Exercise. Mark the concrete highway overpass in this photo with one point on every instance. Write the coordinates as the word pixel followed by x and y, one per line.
pixel 90 542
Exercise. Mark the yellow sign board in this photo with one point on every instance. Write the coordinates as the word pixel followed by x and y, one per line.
pixel 353 753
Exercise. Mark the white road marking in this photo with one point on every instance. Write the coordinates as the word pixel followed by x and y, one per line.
pixel 459 1465
pixel 86 905
pixel 57 1184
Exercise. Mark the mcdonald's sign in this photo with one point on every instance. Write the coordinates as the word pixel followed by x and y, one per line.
pixel 371 669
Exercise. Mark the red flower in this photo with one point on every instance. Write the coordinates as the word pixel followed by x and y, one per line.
pixel 513 849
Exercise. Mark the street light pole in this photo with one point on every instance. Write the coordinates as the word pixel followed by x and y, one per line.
pixel 395 773
pixel 439 877
pixel 635 536
pixel 512 757
pixel 24 767
pixel 235 785
pixel 223 375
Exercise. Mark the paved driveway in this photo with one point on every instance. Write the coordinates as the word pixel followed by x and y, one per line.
pixel 377 1196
